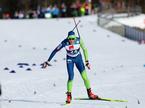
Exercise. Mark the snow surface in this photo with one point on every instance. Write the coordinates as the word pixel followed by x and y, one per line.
pixel 117 71
pixel 136 21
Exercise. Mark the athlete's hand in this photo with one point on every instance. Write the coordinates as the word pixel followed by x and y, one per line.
pixel 45 64
pixel 88 65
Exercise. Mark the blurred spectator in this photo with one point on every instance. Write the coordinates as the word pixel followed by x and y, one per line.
pixel 78 7
pixel 55 11
pixel 68 9
pixel 87 8
pixel 74 10
pixel 48 12
pixel 63 10
pixel 21 15
pixel 0 90
pixel 30 14
pixel 40 13
pixel 82 10
pixel 0 12
pixel 16 15
pixel 6 15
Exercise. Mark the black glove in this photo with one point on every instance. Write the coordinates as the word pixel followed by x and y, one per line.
pixel 88 64
pixel 45 64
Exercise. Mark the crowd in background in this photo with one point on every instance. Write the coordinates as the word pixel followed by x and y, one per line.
pixel 75 9
pixel 54 11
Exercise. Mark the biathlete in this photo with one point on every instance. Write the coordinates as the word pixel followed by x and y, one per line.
pixel 72 45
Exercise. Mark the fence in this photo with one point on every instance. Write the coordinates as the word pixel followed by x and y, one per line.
pixel 134 34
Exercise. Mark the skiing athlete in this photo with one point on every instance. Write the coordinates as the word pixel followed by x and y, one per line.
pixel 72 44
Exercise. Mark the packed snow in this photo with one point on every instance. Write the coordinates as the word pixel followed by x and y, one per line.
pixel 117 65
pixel 135 21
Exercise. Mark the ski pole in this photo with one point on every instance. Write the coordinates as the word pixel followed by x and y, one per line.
pixel 76 25
pixel 0 90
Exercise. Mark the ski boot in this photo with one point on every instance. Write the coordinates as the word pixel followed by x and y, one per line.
pixel 91 95
pixel 69 97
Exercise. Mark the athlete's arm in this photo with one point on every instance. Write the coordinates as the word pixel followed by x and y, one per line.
pixel 59 47
pixel 85 51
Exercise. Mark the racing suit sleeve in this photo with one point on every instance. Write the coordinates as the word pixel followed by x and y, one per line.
pixel 85 51
pixel 59 47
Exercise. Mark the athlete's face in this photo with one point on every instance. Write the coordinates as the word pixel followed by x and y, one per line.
pixel 71 40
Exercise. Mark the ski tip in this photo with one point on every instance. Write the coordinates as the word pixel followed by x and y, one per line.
pixel 113 100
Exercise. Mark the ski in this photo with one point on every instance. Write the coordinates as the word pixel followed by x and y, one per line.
pixel 65 104
pixel 29 101
pixel 103 99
